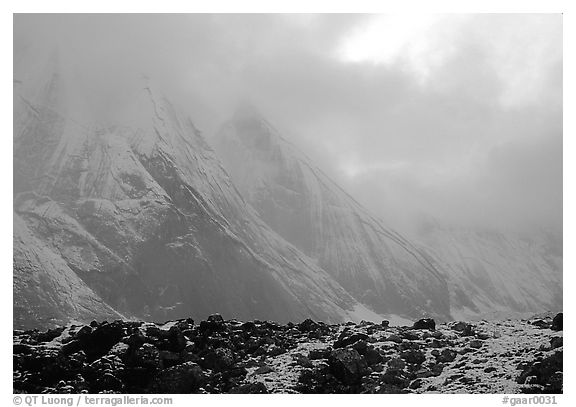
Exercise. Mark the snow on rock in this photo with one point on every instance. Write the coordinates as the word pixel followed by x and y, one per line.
pixel 136 216
pixel 229 356
pixel 47 292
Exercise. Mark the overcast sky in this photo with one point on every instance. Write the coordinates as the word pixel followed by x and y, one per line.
pixel 454 116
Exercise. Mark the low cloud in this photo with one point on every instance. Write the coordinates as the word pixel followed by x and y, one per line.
pixel 458 117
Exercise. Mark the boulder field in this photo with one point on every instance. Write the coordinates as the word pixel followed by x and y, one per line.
pixel 230 356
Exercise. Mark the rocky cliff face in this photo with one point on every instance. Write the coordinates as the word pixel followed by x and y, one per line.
pixel 46 290
pixel 137 217
pixel 375 264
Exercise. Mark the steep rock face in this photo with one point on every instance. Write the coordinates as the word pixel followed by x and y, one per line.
pixel 495 274
pixel 46 289
pixel 375 264
pixel 139 218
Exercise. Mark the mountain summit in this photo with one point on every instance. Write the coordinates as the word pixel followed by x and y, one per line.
pixel 137 218
pixel 123 210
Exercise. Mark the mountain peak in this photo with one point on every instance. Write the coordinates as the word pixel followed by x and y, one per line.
pixel 140 219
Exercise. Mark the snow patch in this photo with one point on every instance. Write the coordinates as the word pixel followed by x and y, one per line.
pixel 361 312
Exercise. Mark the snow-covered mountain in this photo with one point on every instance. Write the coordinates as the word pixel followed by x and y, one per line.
pixel 377 265
pixel 136 217
pixel 441 271
pixel 495 274
pixel 125 211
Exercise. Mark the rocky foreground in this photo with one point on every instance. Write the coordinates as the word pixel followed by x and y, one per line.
pixel 218 356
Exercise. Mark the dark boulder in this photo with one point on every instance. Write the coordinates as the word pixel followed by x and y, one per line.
pixel 446 356
pixel 137 379
pixel 185 378
pixel 436 343
pixel 308 326
pixel 22 348
pixel 84 332
pixel 215 319
pixel 373 356
pixel 99 373
pixel 72 347
pixel 416 384
pixel 169 359
pixel 411 335
pixel 426 323
pixel 135 340
pixel 483 336
pixel 218 360
pixel 546 372
pixel 276 350
pixel 406 345
pixel 437 369
pixel 540 323
pixel 317 380
pixel 186 324
pixel 413 356
pixel 176 339
pixel 248 326
pixel 556 342
pixel 108 382
pixel 214 323
pixel 49 335
pixel 469 330
pixel 102 339
pixel 557 322
pixel 347 338
pixel 476 343
pixel 395 378
pixel 233 373
pixel 147 356
pixel 361 346
pixel 121 350
pixel 394 338
pixel 302 360
pixel 347 365
pixel 461 326
pixel 396 363
pixel 315 354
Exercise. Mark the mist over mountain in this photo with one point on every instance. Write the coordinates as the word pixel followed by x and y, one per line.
pixel 139 219
pixel 442 270
pixel 376 264
pixel 454 116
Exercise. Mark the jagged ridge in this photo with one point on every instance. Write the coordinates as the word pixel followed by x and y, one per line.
pixel 143 215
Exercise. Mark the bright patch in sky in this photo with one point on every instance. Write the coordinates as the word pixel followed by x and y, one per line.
pixel 411 39
pixel 353 168
pixel 520 49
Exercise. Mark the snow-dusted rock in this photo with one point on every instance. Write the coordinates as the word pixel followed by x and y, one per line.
pixel 137 218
